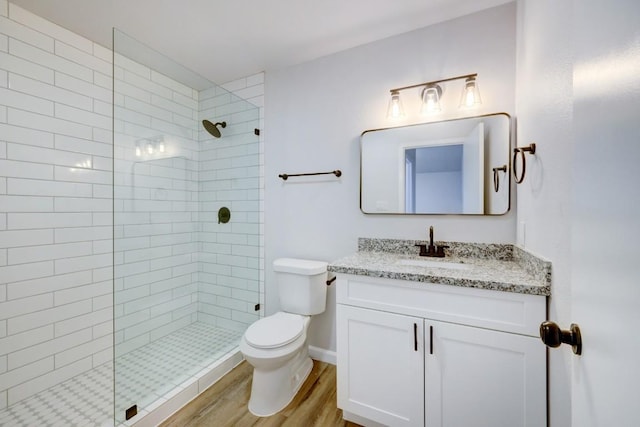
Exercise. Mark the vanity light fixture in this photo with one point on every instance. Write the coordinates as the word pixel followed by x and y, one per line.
pixel 470 93
pixel 395 110
pixel 431 95
pixel 431 99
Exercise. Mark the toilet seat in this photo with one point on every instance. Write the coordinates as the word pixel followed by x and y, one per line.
pixel 275 331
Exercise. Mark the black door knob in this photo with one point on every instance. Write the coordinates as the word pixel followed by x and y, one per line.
pixel 553 336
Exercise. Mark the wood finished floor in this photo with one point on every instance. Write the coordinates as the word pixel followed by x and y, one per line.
pixel 225 403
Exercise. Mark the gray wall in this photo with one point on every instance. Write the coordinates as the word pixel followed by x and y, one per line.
pixel 316 111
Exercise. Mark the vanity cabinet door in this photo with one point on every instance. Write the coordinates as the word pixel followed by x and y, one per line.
pixel 483 378
pixel 380 366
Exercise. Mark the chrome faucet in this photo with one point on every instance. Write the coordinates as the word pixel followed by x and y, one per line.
pixel 432 250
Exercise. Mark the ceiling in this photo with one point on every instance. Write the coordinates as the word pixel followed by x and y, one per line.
pixel 228 39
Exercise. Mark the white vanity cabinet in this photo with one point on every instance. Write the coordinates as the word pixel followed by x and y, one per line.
pixel 381 366
pixel 421 354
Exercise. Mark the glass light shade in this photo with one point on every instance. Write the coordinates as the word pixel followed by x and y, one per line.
pixel 431 99
pixel 161 147
pixel 138 151
pixel 149 148
pixel 395 109
pixel 470 94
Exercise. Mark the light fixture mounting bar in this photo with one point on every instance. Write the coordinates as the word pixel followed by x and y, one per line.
pixel 466 76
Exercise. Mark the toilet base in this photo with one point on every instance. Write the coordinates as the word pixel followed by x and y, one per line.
pixel 272 390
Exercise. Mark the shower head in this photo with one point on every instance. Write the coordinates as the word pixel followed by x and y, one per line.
pixel 213 128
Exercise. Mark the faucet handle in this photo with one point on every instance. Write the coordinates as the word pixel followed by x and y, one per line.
pixel 423 249
pixel 440 251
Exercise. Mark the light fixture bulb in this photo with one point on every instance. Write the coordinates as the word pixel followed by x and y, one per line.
pixel 395 109
pixel 149 148
pixel 161 147
pixel 470 93
pixel 138 151
pixel 431 99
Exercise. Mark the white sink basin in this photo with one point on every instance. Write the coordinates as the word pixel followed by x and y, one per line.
pixel 435 264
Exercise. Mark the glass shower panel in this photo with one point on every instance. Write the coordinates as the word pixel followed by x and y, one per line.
pixel 185 286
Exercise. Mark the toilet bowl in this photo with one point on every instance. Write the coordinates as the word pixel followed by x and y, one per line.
pixel 278 370
pixel 276 346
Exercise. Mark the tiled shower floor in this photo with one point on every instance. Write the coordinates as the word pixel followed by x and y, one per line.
pixel 85 400
pixel 145 376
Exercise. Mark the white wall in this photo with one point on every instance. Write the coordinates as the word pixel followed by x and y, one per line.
pixel 55 221
pixel 544 112
pixel 315 113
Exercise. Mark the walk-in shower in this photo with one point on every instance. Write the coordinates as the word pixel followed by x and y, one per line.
pixel 121 294
pixel 186 286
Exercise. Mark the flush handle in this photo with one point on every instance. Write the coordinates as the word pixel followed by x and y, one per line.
pixel 553 336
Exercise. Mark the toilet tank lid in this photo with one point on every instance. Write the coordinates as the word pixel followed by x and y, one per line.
pixel 299 266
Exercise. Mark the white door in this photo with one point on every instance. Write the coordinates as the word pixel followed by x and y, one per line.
pixel 483 378
pixel 606 214
pixel 473 171
pixel 380 366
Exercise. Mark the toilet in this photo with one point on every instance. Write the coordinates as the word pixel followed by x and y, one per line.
pixel 276 345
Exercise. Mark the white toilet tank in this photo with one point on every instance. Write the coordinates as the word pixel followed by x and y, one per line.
pixel 302 285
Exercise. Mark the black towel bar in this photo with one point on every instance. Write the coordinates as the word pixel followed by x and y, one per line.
pixel 286 176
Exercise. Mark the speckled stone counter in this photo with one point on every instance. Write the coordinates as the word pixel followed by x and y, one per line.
pixel 491 266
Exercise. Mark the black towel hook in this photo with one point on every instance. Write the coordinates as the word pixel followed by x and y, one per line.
pixel 531 149
pixel 496 177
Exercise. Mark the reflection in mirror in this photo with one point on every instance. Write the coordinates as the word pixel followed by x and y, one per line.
pixel 436 168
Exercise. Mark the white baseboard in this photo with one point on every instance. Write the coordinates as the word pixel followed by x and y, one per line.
pixel 322 354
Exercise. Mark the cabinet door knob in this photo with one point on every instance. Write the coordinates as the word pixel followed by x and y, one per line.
pixel 553 336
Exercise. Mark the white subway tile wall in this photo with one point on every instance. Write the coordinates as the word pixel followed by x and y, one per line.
pixel 230 279
pixel 155 205
pixel 174 264
pixel 164 163
pixel 55 220
pixel 252 89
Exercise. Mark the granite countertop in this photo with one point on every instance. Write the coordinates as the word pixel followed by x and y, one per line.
pixel 497 267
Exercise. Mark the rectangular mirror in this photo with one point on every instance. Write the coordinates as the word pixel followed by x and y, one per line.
pixel 456 166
